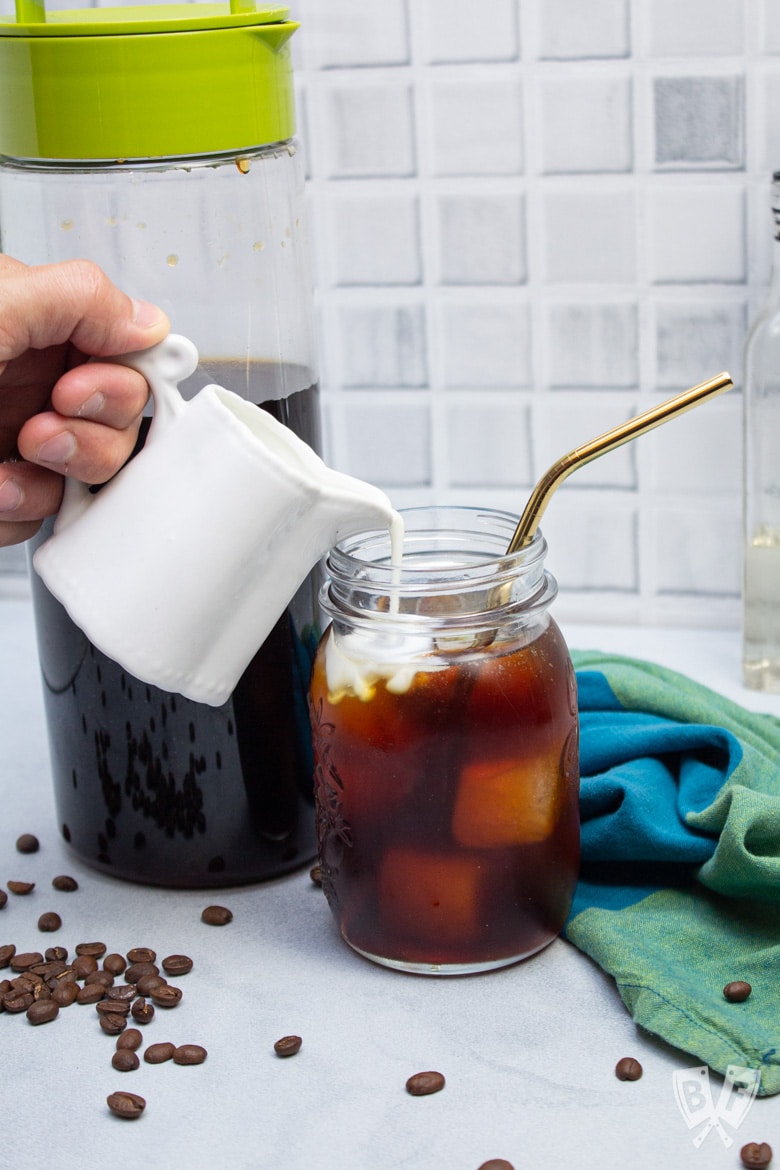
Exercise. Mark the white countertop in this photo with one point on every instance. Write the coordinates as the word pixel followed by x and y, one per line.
pixel 528 1052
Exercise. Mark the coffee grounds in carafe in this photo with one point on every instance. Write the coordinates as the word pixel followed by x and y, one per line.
pixel 156 788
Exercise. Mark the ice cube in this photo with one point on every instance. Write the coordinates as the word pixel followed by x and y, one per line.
pixel 507 802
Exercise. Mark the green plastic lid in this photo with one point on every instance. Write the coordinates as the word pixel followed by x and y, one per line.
pixel 117 84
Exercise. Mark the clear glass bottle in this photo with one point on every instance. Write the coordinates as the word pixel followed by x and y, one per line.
pixel 761 586
pixel 444 717
pixel 159 143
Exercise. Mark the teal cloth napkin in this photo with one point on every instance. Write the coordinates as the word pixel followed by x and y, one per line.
pixel 679 891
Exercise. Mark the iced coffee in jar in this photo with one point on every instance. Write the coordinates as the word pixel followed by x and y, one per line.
pixel 444 718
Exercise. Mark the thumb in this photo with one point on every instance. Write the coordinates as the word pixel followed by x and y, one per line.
pixel 73 301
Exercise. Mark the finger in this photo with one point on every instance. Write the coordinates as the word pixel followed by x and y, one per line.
pixel 71 301
pixel 27 494
pixel 85 450
pixel 100 392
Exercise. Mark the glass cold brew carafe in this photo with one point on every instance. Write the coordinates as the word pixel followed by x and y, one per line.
pixel 164 152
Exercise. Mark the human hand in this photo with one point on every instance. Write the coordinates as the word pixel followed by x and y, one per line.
pixel 60 414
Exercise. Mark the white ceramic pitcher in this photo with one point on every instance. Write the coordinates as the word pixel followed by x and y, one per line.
pixel 179 567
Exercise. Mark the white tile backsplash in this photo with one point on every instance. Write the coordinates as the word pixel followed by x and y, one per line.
pixel 531 220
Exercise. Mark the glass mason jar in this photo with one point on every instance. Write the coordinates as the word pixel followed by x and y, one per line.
pixel 444 719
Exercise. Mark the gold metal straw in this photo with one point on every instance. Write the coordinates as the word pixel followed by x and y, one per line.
pixel 632 429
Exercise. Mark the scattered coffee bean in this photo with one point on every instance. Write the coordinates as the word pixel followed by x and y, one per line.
pixel 84 965
pixel 315 873
pixel 136 971
pixel 104 978
pixel 112 1023
pixel 42 1011
pixel 423 1083
pixel 115 964
pixel 26 960
pixel 149 983
pixel 126 1105
pixel 112 1007
pixel 18 1001
pixel 142 1012
pixel 288 1046
pixel 49 922
pixel 65 883
pixel 90 993
pixel 216 916
pixel 628 1069
pixel 57 953
pixel 177 964
pixel 94 950
pixel 65 994
pixel 131 1039
pixel 125 1060
pixel 737 992
pixel 21 887
pixel 496 1164
pixel 189 1054
pixel 166 997
pixel 757 1154
pixel 141 955
pixel 3 898
pixel 7 952
pixel 28 843
pixel 159 1053
pixel 124 992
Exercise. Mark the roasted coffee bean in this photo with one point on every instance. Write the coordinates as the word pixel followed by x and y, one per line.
pixel 497 1164
pixel 126 1105
pixel 3 898
pixel 142 1012
pixel 26 960
pixel 315 873
pixel 148 983
pixel 628 1069
pixel 137 971
pixel 42 1011
pixel 758 1154
pixel 114 964
pixel 166 997
pixel 112 1007
pixel 112 1023
pixel 28 843
pixel 95 949
pixel 737 992
pixel 123 991
pixel 65 994
pixel 423 1083
pixel 21 887
pixel 189 1054
pixel 131 1039
pixel 56 954
pixel 7 952
pixel 65 883
pixel 84 965
pixel 90 993
pixel 50 969
pixel 159 1053
pixel 26 982
pixel 17 1001
pixel 141 955
pixel 125 1060
pixel 104 978
pixel 177 964
pixel 49 922
pixel 216 916
pixel 288 1046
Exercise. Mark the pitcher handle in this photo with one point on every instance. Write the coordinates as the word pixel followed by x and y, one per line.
pixel 163 365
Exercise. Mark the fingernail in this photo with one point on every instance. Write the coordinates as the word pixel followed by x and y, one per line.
pixel 93 405
pixel 146 315
pixel 58 450
pixel 10 496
